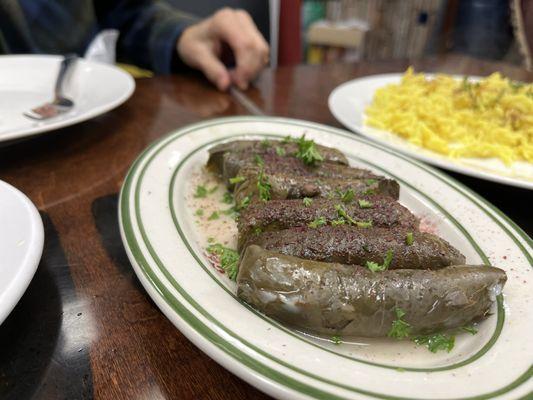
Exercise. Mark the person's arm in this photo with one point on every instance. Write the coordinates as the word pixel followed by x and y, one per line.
pixel 153 35
pixel 149 31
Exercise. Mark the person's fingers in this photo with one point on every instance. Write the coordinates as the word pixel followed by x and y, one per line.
pixel 212 67
pixel 200 52
pixel 236 28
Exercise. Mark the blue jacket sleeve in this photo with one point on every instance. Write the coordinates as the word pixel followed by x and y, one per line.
pixel 149 30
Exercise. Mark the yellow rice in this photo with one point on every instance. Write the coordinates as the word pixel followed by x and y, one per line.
pixel 459 118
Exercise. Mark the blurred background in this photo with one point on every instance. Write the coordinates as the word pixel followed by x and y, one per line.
pixel 326 31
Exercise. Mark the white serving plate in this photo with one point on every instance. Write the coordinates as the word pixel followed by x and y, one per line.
pixel 21 246
pixel 165 248
pixel 347 103
pixel 27 81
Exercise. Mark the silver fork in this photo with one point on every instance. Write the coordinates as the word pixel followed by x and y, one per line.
pixel 60 104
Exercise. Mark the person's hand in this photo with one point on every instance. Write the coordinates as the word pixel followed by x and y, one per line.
pixel 200 46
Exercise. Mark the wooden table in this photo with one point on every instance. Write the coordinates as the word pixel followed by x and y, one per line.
pixel 85 327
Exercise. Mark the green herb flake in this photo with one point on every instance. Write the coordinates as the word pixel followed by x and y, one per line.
pixel 213 189
pixel 263 186
pixel 229 259
pixel 436 342
pixel 375 267
pixel 201 192
pixel 227 198
pixel 320 221
pixel 266 143
pixel 245 202
pixel 399 328
pixel 199 212
pixel 237 179
pixel 364 224
pixel 280 151
pixel 307 151
pixel 369 192
pixel 214 215
pixel 257 230
pixel 370 181
pixel 307 201
pixel 259 160
pixel 470 329
pixel 409 239
pixel 347 196
pixel 210 239
pixel 365 203
pixel 341 211
pixel 336 339
pixel 340 221
pixel 288 139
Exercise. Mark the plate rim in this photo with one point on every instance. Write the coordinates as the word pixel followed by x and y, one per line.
pixel 444 162
pixel 55 125
pixel 124 204
pixel 27 268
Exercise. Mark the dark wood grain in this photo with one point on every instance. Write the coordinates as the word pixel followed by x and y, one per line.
pixel 98 333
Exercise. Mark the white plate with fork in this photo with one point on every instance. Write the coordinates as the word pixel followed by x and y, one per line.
pixel 27 81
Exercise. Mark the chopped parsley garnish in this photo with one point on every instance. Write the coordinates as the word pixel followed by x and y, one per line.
pixel 229 259
pixel 280 151
pixel 210 239
pixel 257 230
pixel 307 201
pixel 436 342
pixel 399 329
pixel 227 198
pixel 336 339
pixel 347 196
pixel 364 224
pixel 199 212
pixel 364 203
pixel 245 202
pixel 370 181
pixel 320 221
pixel 201 192
pixel 409 239
pixel 266 143
pixel 288 139
pixel 307 151
pixel 375 267
pixel 213 189
pixel 369 192
pixel 263 186
pixel 470 329
pixel 340 221
pixel 341 211
pixel 214 215
pixel 237 179
pixel 259 160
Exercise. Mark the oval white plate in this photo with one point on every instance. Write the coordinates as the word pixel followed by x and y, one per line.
pixel 27 81
pixel 21 246
pixel 347 103
pixel 165 248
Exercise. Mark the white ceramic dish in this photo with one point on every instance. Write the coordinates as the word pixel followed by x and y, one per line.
pixel 27 81
pixel 21 246
pixel 165 247
pixel 348 102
